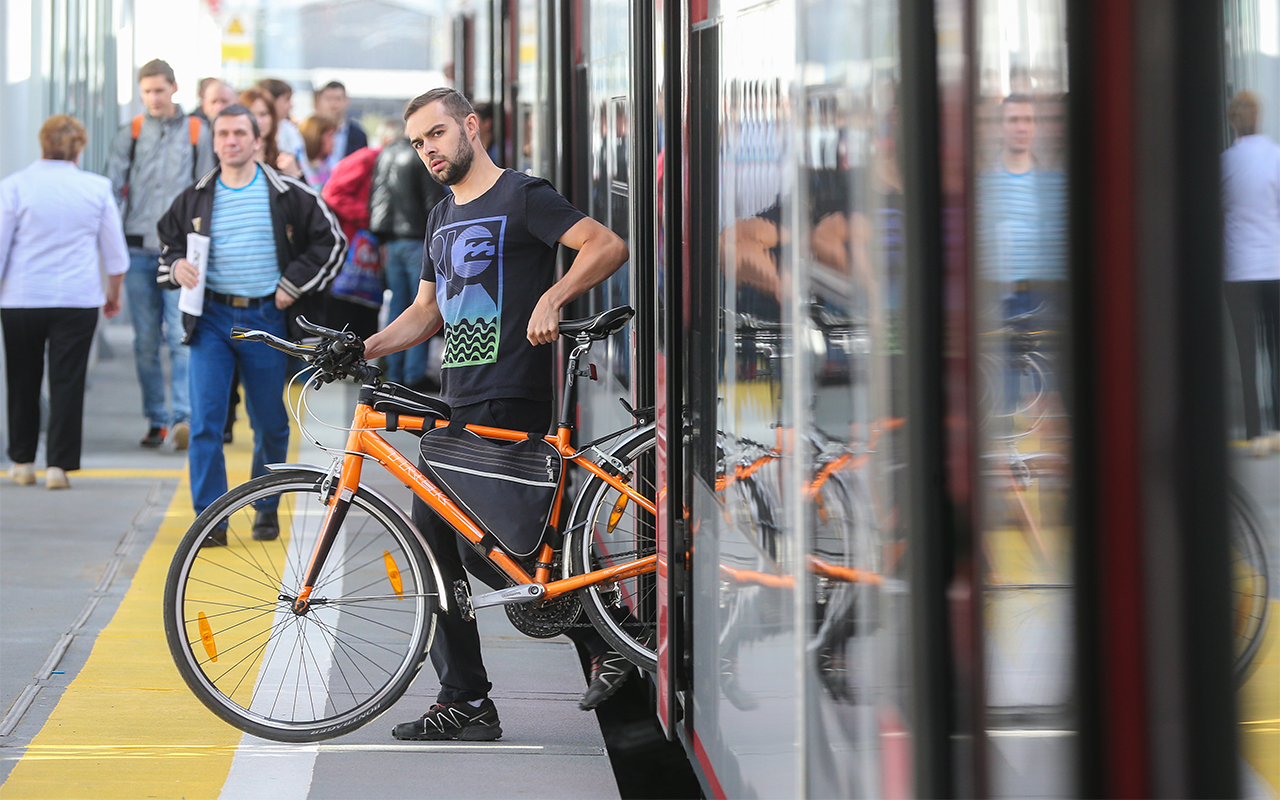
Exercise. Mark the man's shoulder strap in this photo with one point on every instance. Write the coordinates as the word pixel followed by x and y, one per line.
pixel 193 132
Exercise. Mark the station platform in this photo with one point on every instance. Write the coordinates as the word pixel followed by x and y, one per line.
pixel 93 706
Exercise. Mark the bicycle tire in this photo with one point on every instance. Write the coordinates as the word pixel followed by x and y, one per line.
pixel 287 677
pixel 624 612
pixel 1250 581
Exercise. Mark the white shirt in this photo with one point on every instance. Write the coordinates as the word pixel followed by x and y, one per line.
pixel 55 222
pixel 1251 209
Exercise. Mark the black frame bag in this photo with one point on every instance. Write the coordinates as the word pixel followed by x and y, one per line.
pixel 515 483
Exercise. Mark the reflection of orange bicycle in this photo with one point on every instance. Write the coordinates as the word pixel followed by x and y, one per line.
pixel 317 632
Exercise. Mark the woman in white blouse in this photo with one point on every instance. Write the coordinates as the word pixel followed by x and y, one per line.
pixel 1251 235
pixel 56 222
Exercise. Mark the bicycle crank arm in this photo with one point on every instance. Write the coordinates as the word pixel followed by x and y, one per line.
pixel 505 597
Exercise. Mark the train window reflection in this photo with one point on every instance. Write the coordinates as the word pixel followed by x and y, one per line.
pixel 1251 289
pixel 1021 298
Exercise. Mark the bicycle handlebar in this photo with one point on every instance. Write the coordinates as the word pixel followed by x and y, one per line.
pixel 340 354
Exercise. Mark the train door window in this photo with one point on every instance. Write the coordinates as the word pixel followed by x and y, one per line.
pixel 1251 270
pixel 849 365
pixel 1020 317
pixel 606 59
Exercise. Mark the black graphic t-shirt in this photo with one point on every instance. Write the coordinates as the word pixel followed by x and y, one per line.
pixel 491 261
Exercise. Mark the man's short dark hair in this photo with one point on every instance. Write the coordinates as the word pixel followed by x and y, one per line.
pixel 1018 97
pixel 156 67
pixel 455 105
pixel 334 85
pixel 484 110
pixel 237 110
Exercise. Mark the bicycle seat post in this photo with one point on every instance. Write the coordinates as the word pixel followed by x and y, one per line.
pixel 571 373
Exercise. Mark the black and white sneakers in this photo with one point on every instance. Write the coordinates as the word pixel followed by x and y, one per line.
pixel 459 721
pixel 609 671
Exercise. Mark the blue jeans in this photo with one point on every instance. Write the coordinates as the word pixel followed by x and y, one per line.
pixel 263 373
pixel 155 315
pixel 403 270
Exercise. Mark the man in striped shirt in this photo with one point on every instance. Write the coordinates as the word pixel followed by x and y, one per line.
pixel 272 242
pixel 1022 218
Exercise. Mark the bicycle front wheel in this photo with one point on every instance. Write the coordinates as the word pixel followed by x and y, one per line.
pixel 232 631
pixel 611 529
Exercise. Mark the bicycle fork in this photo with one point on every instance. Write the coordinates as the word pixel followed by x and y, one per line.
pixel 338 499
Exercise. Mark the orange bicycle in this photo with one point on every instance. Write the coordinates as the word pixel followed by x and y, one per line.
pixel 316 632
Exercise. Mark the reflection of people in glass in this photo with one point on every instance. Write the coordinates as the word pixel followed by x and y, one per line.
pixel 1251 216
pixel 1022 218
pixel 1022 228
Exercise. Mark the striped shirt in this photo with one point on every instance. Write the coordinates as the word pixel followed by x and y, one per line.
pixel 242 255
pixel 1022 226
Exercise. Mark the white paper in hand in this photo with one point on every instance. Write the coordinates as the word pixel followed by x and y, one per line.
pixel 192 300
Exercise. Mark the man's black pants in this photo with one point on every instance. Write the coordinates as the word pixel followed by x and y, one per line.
pixel 455 653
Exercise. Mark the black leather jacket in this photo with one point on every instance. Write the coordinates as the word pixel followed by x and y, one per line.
pixel 402 194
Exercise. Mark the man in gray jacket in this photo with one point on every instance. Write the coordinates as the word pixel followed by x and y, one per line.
pixel 153 159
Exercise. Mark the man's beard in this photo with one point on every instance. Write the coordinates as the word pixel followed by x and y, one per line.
pixel 457 167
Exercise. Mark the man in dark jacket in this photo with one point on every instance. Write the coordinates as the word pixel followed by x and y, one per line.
pixel 402 195
pixel 272 241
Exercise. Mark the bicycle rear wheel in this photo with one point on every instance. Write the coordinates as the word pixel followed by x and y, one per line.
pixel 610 529
pixel 299 678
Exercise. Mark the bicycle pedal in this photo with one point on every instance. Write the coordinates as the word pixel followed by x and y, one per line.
pixel 462 594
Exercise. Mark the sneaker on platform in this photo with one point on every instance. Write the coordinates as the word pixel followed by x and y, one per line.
pixel 56 478
pixel 155 436
pixel 23 474
pixel 459 721
pixel 609 671
pixel 180 435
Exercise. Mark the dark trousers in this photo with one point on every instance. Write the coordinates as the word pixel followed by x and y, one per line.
pixel 68 335
pixel 455 653
pixel 1254 307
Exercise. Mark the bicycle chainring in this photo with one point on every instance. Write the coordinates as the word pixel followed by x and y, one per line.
pixel 542 619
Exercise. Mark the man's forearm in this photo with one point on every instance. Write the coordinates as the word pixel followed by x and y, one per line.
pixel 413 327
pixel 591 267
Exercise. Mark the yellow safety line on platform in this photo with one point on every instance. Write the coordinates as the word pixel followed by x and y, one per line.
pixel 127 726
pixel 176 472
pixel 1259 699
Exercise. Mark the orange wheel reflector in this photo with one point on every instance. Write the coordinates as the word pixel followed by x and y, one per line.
pixel 616 515
pixel 393 572
pixel 206 636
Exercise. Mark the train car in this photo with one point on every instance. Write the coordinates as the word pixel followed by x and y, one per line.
pixel 930 314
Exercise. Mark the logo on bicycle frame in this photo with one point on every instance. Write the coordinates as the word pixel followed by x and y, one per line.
pixel 467 257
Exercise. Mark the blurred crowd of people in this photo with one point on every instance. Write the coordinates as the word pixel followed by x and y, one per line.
pixel 377 190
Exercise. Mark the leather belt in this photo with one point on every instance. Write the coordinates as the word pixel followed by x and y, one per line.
pixel 236 301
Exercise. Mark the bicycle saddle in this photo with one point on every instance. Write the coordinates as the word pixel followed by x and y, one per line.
pixel 601 326
pixel 394 398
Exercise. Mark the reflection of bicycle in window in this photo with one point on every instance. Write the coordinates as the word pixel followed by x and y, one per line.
pixel 1026 549
pixel 1250 579
pixel 317 632
pixel 843 556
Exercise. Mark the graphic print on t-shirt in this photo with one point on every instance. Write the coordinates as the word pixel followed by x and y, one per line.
pixel 468 261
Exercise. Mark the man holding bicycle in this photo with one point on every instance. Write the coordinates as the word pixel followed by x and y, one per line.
pixel 272 241
pixel 489 280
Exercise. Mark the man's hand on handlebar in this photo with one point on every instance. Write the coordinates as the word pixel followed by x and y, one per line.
pixel 338 354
